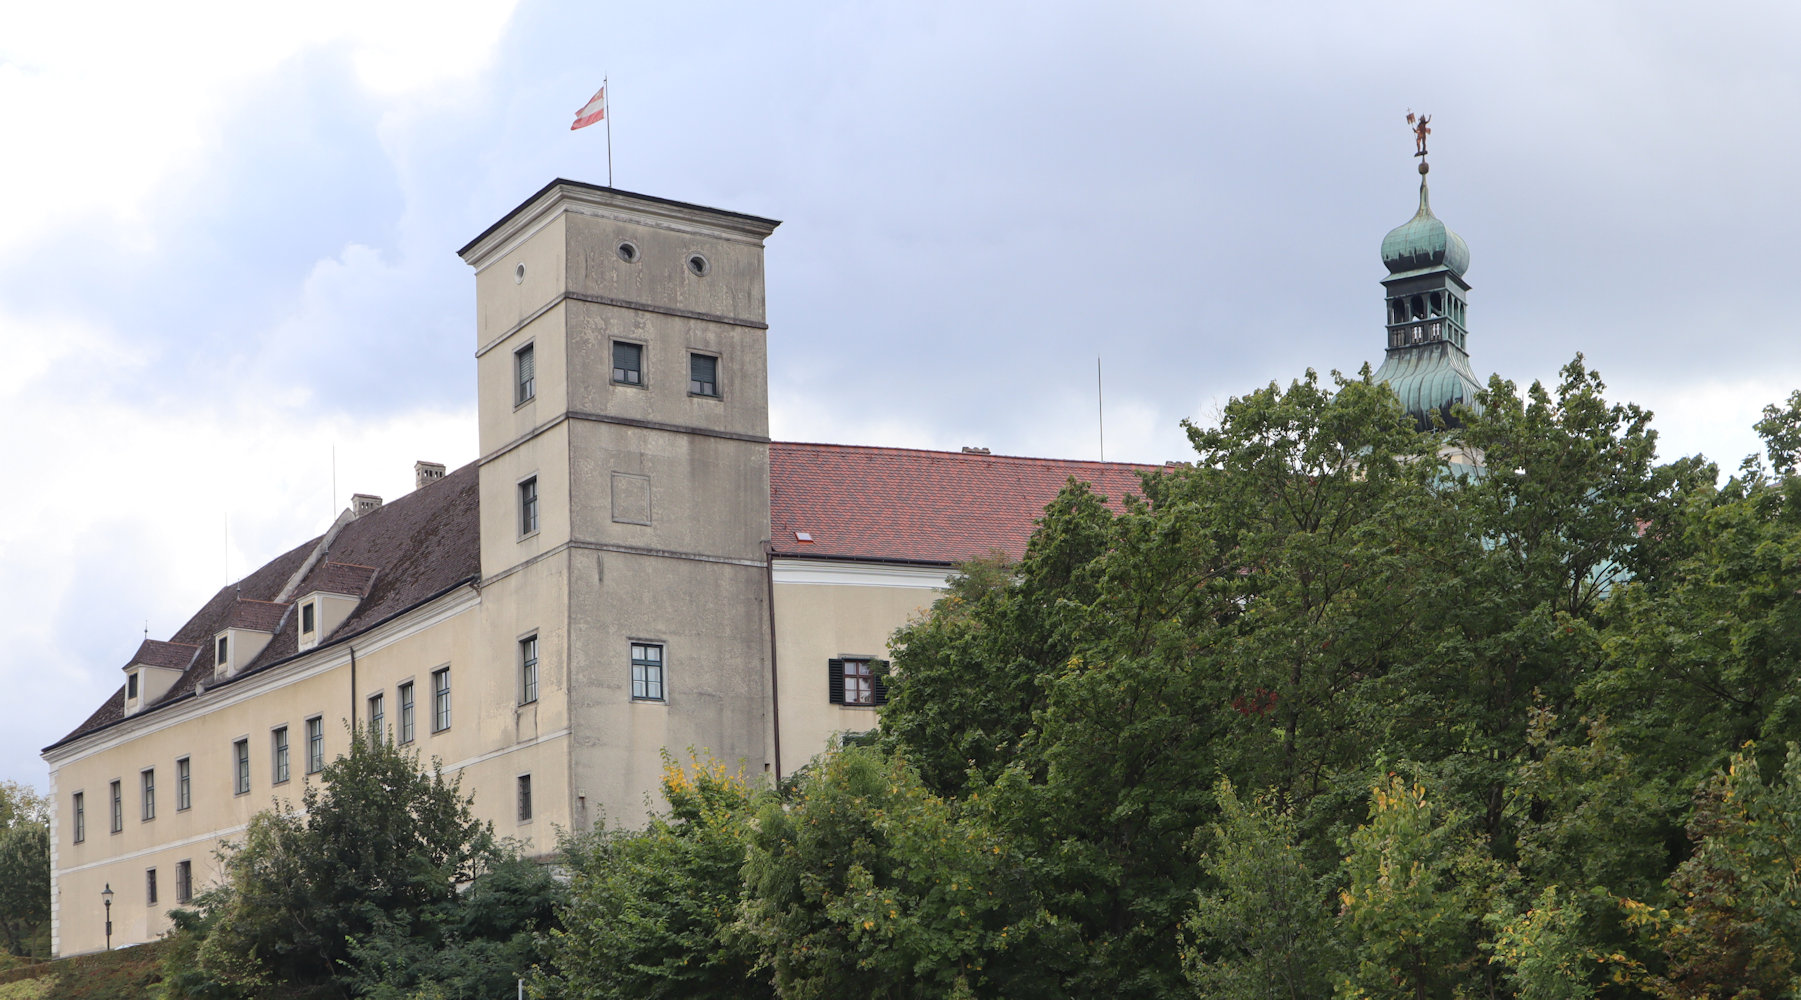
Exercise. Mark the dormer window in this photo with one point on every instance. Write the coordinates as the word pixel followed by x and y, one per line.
pixel 224 654
pixel 131 686
pixel 307 621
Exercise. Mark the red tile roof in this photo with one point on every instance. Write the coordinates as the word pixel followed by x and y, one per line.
pixel 906 505
pixel 156 653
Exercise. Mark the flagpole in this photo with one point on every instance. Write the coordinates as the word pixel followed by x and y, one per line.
pixel 606 106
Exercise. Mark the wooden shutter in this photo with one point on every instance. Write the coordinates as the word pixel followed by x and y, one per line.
pixel 834 674
pixel 878 670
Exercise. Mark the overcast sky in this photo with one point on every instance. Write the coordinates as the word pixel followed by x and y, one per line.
pixel 228 237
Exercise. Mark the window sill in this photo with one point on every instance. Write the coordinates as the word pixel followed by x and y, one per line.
pixel 629 385
pixel 530 534
pixel 649 701
pixel 705 395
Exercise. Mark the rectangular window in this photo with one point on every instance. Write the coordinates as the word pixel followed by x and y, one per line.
pixel 150 886
pixel 525 797
pixel 118 808
pixel 647 671
pixel 224 647
pixel 406 712
pixel 184 784
pixel 147 794
pixel 525 384
pixel 528 670
pixel 315 745
pixel 528 506
pixel 240 755
pixel 81 817
pixel 378 719
pixel 279 754
pixel 184 881
pixel 306 618
pixel 131 684
pixel 440 700
pixel 703 375
pixel 853 681
pixel 628 363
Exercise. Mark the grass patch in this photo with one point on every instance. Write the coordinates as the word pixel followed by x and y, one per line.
pixel 125 974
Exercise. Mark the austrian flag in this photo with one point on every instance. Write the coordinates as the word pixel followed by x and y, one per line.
pixel 593 111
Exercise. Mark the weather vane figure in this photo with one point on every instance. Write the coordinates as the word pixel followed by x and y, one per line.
pixel 1421 130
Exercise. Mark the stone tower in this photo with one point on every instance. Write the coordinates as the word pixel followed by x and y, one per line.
pixel 1427 361
pixel 624 483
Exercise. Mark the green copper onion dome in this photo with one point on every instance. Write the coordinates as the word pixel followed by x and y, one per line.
pixel 1423 242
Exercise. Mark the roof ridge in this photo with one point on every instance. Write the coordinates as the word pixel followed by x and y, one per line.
pixel 965 454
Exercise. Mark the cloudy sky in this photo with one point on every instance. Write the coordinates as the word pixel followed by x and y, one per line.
pixel 228 241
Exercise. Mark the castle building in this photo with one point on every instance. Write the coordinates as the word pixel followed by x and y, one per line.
pixel 631 565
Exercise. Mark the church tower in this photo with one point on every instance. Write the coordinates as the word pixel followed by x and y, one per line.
pixel 1428 361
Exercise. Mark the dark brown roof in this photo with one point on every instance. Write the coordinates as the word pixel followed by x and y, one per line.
pixel 338 578
pixel 257 616
pixel 419 546
pixel 156 653
pixel 906 505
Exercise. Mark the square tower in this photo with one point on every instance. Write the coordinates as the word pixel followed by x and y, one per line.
pixel 624 480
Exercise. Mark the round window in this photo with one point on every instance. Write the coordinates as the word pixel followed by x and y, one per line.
pixel 519 273
pixel 628 252
pixel 698 264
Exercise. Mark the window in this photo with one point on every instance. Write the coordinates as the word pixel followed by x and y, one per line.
pixel 528 506
pixel 628 363
pixel 279 754
pixel 147 793
pixel 647 671
pixel 853 681
pixel 440 700
pixel 528 670
pixel 306 618
pixel 406 712
pixel 524 371
pixel 131 684
pixel 150 886
pixel 81 817
pixel 703 375
pixel 184 881
pixel 184 784
pixel 240 755
pixel 118 808
pixel 224 647
pixel 525 797
pixel 378 722
pixel 315 745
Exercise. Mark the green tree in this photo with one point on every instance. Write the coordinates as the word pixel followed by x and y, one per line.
pixel 1264 930
pixel 1736 929
pixel 1417 885
pixel 868 885
pixel 24 869
pixel 651 912
pixel 379 850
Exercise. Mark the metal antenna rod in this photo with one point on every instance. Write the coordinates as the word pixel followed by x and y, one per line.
pixel 1100 407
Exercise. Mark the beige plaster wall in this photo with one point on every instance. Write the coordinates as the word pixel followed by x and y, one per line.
pixel 818 622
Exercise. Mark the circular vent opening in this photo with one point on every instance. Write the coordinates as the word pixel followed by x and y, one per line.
pixel 628 252
pixel 518 273
pixel 698 264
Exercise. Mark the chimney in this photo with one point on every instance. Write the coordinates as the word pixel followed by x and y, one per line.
pixel 427 472
pixel 363 503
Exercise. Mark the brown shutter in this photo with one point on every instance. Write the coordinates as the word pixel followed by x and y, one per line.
pixel 878 670
pixel 834 680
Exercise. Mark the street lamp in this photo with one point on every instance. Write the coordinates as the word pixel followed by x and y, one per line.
pixel 106 896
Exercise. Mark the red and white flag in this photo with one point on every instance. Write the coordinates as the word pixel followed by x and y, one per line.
pixel 593 111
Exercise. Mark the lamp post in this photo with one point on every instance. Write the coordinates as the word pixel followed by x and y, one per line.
pixel 106 896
